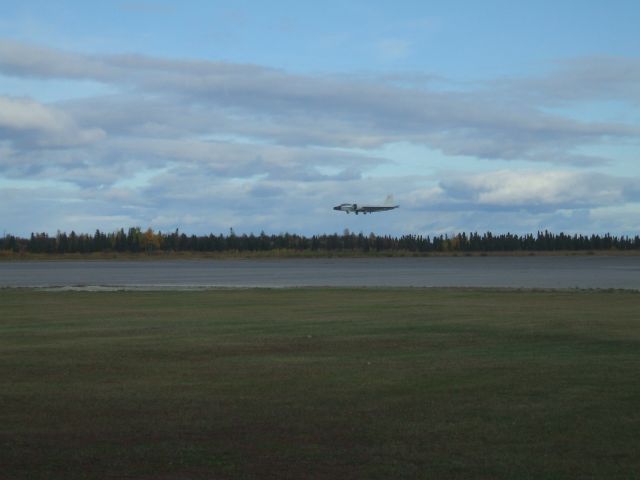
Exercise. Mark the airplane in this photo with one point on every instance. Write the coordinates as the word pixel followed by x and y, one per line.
pixel 364 209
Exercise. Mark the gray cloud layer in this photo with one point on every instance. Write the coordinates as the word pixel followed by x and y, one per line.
pixel 294 109
pixel 178 132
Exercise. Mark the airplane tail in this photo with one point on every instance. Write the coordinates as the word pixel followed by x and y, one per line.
pixel 389 200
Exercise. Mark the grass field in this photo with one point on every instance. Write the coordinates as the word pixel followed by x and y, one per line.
pixel 320 383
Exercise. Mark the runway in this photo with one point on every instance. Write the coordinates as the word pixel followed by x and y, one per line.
pixel 585 272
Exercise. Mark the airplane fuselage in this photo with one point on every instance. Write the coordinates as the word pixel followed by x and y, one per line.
pixel 364 209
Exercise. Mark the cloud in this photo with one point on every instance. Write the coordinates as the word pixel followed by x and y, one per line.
pixel 535 190
pixel 590 78
pixel 27 120
pixel 41 62
pixel 219 144
pixel 275 106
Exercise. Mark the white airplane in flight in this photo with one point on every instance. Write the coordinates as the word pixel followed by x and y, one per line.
pixel 364 209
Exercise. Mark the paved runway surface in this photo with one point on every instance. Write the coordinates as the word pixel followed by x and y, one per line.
pixel 512 272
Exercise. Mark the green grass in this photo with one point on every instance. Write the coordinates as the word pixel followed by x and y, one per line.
pixel 320 383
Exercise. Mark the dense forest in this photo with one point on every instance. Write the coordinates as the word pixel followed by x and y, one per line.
pixel 137 240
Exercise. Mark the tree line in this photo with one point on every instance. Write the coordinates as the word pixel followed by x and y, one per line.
pixel 136 240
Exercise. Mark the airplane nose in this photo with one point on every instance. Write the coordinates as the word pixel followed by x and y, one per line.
pixel 336 208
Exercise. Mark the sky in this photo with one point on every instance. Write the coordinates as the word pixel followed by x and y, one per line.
pixel 206 116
